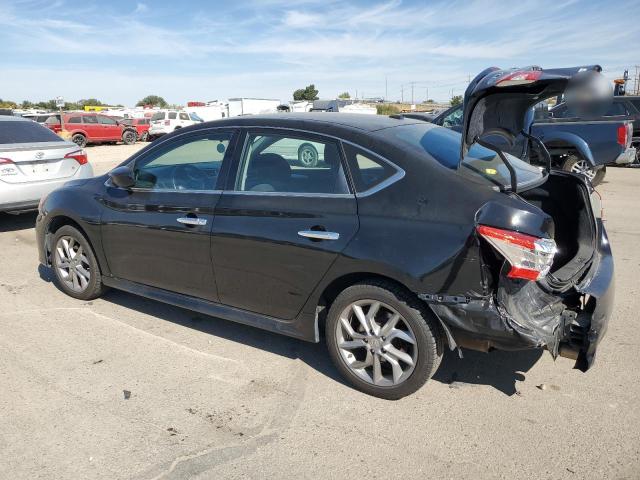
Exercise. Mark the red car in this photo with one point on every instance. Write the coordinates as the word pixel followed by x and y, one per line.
pixel 141 125
pixel 88 128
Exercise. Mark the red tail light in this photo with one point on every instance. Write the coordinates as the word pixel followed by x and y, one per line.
pixel 530 257
pixel 623 135
pixel 167 122
pixel 520 77
pixel 4 161
pixel 79 156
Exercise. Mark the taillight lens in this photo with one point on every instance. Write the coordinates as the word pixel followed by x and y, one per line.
pixel 167 122
pixel 530 257
pixel 4 161
pixel 79 156
pixel 520 77
pixel 623 133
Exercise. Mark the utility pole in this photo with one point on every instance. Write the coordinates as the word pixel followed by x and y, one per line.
pixel 386 88
pixel 412 84
pixel 401 93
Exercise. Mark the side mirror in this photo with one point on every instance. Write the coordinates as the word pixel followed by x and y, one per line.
pixel 122 177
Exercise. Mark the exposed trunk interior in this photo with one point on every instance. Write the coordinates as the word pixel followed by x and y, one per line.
pixel 566 200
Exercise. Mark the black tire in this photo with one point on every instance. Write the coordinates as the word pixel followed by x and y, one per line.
pixel 94 288
pixel 144 137
pixel 425 327
pixel 571 164
pixel 129 137
pixel 79 139
pixel 307 155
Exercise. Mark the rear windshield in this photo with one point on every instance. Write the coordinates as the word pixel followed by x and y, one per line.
pixel 158 116
pixel 443 145
pixel 26 132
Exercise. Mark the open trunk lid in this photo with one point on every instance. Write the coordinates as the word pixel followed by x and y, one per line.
pixel 496 101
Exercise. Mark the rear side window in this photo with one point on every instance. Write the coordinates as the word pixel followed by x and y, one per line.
pixel 75 120
pixel 172 115
pixel 367 170
pixel 26 132
pixel 158 116
pixel 89 119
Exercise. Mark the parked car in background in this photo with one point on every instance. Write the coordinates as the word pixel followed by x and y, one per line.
pixel 584 146
pixel 92 128
pixel 168 121
pixel 141 125
pixel 406 239
pixel 33 162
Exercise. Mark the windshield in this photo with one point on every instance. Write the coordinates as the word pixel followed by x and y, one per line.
pixel 443 145
pixel 26 132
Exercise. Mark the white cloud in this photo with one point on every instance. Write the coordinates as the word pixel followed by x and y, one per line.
pixel 141 8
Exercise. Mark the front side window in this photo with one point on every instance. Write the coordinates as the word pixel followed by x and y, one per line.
pixel 106 120
pixel 453 119
pixel 184 116
pixel 189 164
pixel 291 164
pixel 367 170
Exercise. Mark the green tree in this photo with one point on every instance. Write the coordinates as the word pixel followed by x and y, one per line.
pixel 456 100
pixel 26 104
pixel 153 100
pixel 7 104
pixel 387 109
pixel 344 95
pixel 308 93
pixel 89 101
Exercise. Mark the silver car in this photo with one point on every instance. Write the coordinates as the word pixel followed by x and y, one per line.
pixel 33 162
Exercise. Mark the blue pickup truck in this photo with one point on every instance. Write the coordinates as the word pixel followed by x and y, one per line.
pixel 578 145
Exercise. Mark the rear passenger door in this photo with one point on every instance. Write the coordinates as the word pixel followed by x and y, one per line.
pixel 110 128
pixel 91 126
pixel 279 225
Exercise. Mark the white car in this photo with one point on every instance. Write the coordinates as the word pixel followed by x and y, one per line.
pixel 167 121
pixel 33 162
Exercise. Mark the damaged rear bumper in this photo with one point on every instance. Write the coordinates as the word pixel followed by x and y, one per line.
pixel 522 315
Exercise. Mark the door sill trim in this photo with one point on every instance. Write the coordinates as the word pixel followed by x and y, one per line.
pixel 264 322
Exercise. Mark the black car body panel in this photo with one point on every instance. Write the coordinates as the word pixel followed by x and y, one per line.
pixel 247 263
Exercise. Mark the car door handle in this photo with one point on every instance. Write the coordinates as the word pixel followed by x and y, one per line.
pixel 192 221
pixel 319 235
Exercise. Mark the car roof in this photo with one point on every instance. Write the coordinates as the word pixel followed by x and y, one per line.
pixel 11 118
pixel 319 120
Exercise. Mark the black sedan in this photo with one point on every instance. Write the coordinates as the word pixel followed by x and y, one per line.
pixel 405 238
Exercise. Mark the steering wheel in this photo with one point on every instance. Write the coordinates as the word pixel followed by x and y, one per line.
pixel 188 177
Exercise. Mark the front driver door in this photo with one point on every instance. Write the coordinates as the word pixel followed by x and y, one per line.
pixel 282 222
pixel 157 233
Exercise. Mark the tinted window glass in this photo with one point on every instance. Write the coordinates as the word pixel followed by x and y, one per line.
pixel 367 170
pixel 453 119
pixel 184 116
pixel 291 164
pixel 158 116
pixel 89 119
pixel 616 108
pixel 172 115
pixel 107 120
pixel 636 103
pixel 26 132
pixel 74 120
pixel 190 164
pixel 52 120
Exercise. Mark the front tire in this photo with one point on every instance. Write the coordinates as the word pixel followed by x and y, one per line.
pixel 308 155
pixel 79 140
pixel 75 266
pixel 383 340
pixel 129 137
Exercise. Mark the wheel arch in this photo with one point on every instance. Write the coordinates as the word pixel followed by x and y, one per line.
pixel 569 141
pixel 59 221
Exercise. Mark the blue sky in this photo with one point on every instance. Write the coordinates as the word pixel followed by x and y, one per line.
pixel 119 51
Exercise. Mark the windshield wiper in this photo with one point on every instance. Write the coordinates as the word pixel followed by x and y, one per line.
pixel 512 171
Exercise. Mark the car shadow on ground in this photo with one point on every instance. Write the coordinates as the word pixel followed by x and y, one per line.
pixel 12 223
pixel 497 369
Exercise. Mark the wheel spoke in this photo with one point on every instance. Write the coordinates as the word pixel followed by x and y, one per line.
pixel 395 368
pixel 390 325
pixel 395 353
pixel 357 309
pixel 367 362
pixel 350 331
pixel 83 272
pixel 65 246
pixel 400 334
pixel 63 264
pixel 371 315
pixel 377 370
pixel 74 278
pixel 351 344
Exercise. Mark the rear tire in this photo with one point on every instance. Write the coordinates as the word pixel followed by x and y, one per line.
pixel 408 352
pixel 129 137
pixel 576 164
pixel 75 266
pixel 79 139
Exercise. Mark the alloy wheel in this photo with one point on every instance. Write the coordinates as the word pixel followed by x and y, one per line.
pixel 72 264
pixel 376 343
pixel 583 168
pixel 308 156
